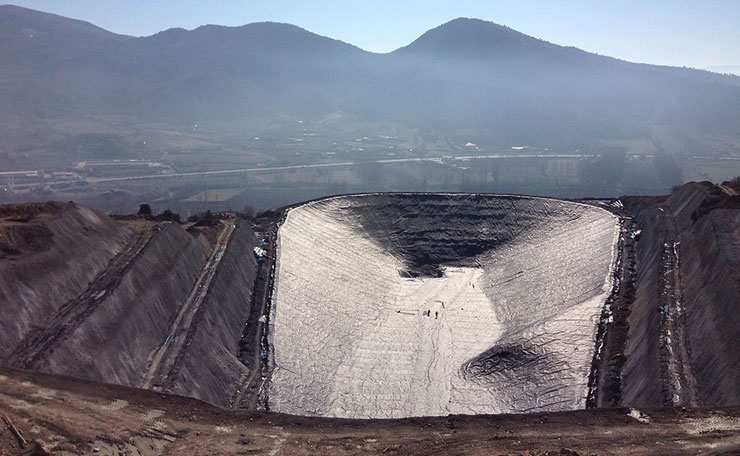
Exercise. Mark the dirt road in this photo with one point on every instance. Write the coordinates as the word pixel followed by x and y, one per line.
pixel 165 358
pixel 254 331
pixel 682 387
pixel 250 392
pixel 605 383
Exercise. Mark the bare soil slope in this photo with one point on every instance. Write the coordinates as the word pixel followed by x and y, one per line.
pixel 84 295
pixel 49 252
pixel 210 369
pixel 64 416
pixel 685 322
pixel 114 343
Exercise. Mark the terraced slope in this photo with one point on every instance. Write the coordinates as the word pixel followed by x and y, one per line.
pixel 414 305
pixel 114 343
pixel 32 351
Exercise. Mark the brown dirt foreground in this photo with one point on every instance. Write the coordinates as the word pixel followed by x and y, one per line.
pixel 70 417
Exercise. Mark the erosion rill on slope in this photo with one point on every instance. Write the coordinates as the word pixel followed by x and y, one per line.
pixel 397 305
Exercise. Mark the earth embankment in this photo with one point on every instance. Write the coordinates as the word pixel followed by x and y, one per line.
pixel 94 298
pixel 685 324
pixel 50 253
pixel 209 369
pixel 114 343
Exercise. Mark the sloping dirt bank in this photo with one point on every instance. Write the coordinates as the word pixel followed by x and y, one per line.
pixel 209 369
pixel 114 343
pixel 97 300
pixel 50 253
pixel 66 416
pixel 685 322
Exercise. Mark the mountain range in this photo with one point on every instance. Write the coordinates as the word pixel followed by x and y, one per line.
pixel 466 74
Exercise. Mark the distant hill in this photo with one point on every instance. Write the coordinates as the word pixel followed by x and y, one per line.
pixel 465 74
pixel 476 73
pixel 730 69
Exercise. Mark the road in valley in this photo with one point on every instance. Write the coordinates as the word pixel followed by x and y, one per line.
pixel 439 159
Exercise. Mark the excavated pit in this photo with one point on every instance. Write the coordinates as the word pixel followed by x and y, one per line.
pixel 396 305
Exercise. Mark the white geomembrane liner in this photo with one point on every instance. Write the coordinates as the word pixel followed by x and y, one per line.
pixel 353 338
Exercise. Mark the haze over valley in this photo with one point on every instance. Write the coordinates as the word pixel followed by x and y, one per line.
pixel 468 106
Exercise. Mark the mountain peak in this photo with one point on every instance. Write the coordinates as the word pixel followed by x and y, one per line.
pixel 470 22
pixel 468 37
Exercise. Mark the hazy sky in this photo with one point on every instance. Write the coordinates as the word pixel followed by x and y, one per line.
pixel 673 32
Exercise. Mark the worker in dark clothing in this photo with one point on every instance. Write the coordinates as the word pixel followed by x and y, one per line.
pixel 436 315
